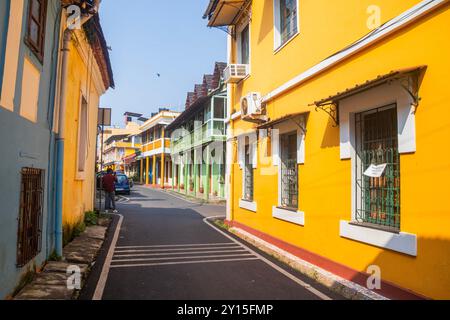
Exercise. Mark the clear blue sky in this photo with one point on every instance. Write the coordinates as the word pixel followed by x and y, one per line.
pixel 149 37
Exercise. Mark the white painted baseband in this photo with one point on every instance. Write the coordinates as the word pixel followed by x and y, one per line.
pixel 247 205
pixel 403 242
pixel 289 216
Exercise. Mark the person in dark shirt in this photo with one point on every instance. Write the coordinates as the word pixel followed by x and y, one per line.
pixel 109 185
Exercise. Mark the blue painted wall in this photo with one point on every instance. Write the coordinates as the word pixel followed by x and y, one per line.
pixel 27 144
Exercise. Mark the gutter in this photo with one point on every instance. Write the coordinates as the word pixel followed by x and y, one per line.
pixel 67 36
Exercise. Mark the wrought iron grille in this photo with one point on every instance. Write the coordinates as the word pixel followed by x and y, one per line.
pixel 248 179
pixel 289 171
pixel 30 215
pixel 289 184
pixel 378 201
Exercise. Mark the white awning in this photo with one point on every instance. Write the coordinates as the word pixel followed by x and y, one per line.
pixel 226 13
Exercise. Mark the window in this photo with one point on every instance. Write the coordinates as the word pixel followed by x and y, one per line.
pixel 248 171
pixel 82 135
pixel 219 108
pixel 378 196
pixel 35 33
pixel 144 137
pixel 289 171
pixel 244 45
pixel 30 215
pixel 286 21
pixel 158 133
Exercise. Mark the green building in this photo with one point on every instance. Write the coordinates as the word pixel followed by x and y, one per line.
pixel 198 139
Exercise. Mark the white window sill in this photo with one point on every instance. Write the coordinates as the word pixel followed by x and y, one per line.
pixel 402 242
pixel 280 47
pixel 247 205
pixel 289 216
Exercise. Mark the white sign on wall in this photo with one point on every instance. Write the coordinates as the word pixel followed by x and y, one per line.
pixel 375 171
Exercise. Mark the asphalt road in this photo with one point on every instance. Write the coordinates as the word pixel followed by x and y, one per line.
pixel 166 251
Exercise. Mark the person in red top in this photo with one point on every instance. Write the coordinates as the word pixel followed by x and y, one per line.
pixel 109 185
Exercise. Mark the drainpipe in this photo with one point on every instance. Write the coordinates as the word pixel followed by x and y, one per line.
pixel 67 36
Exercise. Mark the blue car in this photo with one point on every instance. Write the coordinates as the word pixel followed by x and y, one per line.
pixel 123 184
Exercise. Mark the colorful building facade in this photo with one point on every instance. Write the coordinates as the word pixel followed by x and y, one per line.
pixel 336 135
pixel 35 94
pixel 27 80
pixel 155 162
pixel 198 137
pixel 119 144
pixel 89 77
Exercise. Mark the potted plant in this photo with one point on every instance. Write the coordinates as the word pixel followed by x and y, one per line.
pixel 182 186
pixel 202 190
pixel 191 185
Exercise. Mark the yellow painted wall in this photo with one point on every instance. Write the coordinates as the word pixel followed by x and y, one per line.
pixel 79 192
pixel 325 179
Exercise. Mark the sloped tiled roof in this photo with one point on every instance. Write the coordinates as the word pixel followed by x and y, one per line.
pixel 210 83
pixel 190 99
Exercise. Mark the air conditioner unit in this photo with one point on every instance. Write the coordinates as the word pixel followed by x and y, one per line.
pixel 234 73
pixel 251 106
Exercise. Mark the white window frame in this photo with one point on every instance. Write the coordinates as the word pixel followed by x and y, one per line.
pixel 239 28
pixel 245 204
pixel 381 96
pixel 289 126
pixel 83 106
pixel 278 45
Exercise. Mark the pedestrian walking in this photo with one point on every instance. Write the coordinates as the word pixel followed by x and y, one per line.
pixel 109 186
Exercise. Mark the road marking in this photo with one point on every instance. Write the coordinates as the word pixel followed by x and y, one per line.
pixel 179 263
pixel 123 199
pixel 98 294
pixel 185 258
pixel 176 253
pixel 169 250
pixel 270 263
pixel 179 245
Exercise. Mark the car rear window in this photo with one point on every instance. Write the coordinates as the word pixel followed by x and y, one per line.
pixel 122 179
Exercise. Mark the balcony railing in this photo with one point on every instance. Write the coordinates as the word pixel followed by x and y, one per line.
pixel 211 131
pixel 156 144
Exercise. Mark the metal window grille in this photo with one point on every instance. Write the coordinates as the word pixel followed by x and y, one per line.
pixel 289 171
pixel 248 179
pixel 30 215
pixel 378 201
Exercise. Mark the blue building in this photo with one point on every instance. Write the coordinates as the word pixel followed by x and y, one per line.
pixel 29 41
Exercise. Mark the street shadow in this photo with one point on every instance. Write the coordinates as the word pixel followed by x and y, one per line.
pixel 265 28
pixel 331 135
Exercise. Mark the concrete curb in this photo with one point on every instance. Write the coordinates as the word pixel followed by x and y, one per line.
pixel 346 288
pixel 193 199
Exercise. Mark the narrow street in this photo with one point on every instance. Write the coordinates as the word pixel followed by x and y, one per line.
pixel 166 250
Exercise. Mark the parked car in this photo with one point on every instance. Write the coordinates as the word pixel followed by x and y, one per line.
pixel 123 184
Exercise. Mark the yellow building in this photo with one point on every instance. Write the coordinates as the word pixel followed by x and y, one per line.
pixel 155 159
pixel 89 76
pixel 119 146
pixel 341 107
